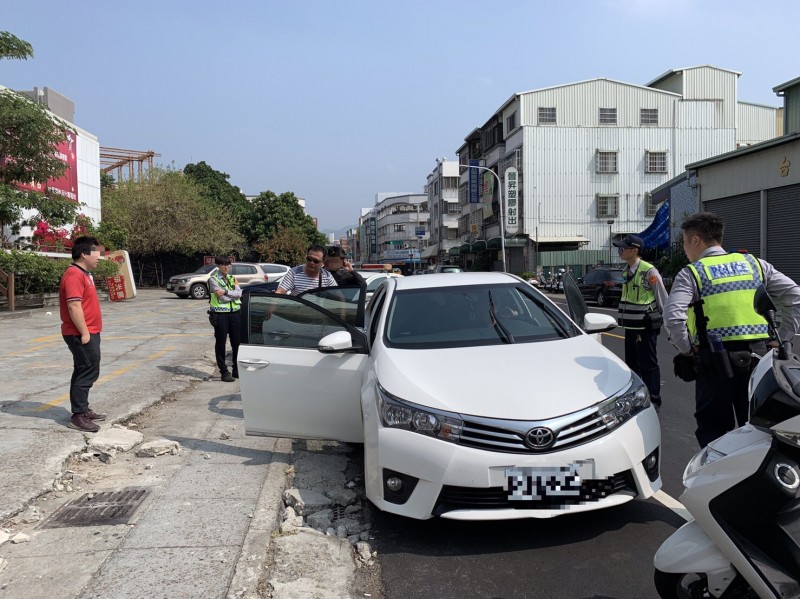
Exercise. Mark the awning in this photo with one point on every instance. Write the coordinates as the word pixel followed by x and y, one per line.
pixel 552 244
pixel 464 249
pixel 455 251
pixel 574 239
pixel 429 251
pixel 479 245
pixel 494 242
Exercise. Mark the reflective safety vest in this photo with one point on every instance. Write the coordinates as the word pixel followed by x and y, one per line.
pixel 636 301
pixel 727 285
pixel 229 284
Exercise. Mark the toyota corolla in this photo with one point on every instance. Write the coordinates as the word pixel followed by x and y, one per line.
pixel 435 377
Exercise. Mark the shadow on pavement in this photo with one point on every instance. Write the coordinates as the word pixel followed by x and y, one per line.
pixel 257 457
pixel 33 409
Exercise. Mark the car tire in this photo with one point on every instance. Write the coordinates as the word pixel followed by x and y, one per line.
pixel 670 585
pixel 601 299
pixel 199 291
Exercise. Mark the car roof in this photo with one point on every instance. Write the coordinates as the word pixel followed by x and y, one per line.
pixel 454 280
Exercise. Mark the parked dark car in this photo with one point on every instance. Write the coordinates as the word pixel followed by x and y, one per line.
pixel 602 285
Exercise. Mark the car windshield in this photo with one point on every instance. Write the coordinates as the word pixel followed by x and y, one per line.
pixel 205 269
pixel 474 315
pixel 615 275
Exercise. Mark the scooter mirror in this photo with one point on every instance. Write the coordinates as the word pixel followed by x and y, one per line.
pixel 762 302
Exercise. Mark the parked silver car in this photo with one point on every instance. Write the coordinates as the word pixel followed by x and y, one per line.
pixel 195 284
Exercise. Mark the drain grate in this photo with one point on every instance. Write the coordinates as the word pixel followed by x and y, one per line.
pixel 98 509
pixel 338 513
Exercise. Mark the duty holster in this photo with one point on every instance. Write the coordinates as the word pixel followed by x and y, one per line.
pixel 653 321
pixel 212 317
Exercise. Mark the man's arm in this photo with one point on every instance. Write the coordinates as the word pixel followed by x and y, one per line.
pixel 213 285
pixel 287 283
pixel 676 309
pixel 654 281
pixel 78 319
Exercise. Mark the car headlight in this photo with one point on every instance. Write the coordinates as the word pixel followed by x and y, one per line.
pixel 620 408
pixel 181 280
pixel 396 413
pixel 704 457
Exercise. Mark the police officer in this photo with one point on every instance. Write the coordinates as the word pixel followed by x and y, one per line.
pixel 643 299
pixel 711 321
pixel 225 298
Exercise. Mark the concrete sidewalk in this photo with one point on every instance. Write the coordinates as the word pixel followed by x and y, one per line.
pixel 203 531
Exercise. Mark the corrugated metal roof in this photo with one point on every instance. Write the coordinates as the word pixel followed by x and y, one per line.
pixel 681 70
pixel 770 143
pixel 784 86
pixel 541 89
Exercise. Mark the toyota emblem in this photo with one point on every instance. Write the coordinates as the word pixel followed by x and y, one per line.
pixel 540 438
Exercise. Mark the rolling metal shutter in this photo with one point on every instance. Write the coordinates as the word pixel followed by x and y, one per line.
pixel 742 217
pixel 783 224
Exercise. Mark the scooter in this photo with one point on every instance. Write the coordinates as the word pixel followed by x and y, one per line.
pixel 743 491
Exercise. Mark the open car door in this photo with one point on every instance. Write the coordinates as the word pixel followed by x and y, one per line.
pixel 590 322
pixel 289 387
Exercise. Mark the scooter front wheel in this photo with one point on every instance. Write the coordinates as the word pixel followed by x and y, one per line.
pixel 681 585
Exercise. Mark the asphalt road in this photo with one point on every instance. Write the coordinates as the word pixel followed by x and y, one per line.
pixel 595 555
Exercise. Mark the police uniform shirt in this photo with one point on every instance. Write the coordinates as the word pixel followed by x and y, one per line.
pixel 783 291
pixel 651 282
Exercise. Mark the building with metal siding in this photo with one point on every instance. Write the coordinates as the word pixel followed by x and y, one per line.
pixel 756 190
pixel 753 119
pixel 592 151
pixel 791 104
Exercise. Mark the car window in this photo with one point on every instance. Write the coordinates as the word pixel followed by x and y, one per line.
pixel 243 269
pixel 474 315
pixel 205 269
pixel 615 275
pixel 450 269
pixel 273 268
pixel 374 313
pixel 343 301
pixel 373 283
pixel 282 321
pixel 592 277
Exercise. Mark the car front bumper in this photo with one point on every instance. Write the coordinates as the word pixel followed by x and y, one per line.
pixel 178 288
pixel 464 483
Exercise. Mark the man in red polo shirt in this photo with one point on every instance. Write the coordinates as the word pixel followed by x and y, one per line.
pixel 81 324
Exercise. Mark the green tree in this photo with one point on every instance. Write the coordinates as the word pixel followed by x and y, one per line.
pixel 286 246
pixel 168 213
pixel 268 213
pixel 29 135
pixel 216 188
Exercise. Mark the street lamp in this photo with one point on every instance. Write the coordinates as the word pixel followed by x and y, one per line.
pixel 610 259
pixel 502 210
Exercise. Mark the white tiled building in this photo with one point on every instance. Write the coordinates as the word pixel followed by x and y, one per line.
pixel 589 153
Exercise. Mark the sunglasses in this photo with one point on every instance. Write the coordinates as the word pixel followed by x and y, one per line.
pixel 314 260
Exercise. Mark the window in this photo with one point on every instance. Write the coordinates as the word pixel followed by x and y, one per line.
pixel 648 116
pixel 607 205
pixel 650 209
pixel 656 162
pixel 606 162
pixel 607 116
pixel 511 122
pixel 399 227
pixel 450 182
pixel 453 208
pixel 547 116
pixel 243 269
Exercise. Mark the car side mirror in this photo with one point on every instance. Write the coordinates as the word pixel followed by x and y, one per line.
pixel 598 323
pixel 337 342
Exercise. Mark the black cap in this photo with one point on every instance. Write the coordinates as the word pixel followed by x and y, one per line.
pixel 222 260
pixel 630 241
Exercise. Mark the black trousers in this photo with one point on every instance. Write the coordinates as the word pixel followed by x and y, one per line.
pixel 227 325
pixel 85 370
pixel 641 356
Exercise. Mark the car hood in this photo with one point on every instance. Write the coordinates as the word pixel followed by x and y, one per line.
pixel 523 381
pixel 188 275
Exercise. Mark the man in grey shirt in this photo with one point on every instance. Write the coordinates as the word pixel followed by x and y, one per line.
pixel 722 402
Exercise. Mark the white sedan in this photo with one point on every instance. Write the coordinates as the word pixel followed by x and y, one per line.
pixel 437 385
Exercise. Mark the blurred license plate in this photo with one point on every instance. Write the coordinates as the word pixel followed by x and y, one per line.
pixel 530 484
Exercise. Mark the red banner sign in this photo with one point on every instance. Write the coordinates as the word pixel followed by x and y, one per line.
pixel 67 186
pixel 116 288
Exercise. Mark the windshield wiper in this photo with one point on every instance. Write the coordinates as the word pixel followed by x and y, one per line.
pixel 504 333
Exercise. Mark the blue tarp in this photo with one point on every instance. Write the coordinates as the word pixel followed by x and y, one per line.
pixel 657 234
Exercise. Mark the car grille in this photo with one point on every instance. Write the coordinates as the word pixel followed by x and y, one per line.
pixel 508 436
pixel 495 498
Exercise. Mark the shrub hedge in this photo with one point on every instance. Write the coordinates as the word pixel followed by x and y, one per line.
pixel 38 274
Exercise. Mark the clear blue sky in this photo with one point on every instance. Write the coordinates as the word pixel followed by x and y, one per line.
pixel 337 101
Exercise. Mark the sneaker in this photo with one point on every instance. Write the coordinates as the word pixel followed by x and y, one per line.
pixel 227 378
pixel 82 423
pixel 92 415
pixel 236 374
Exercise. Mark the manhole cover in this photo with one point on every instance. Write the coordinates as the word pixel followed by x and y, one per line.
pixel 97 509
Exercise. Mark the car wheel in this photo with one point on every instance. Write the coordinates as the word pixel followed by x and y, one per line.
pixel 199 291
pixel 670 585
pixel 601 298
